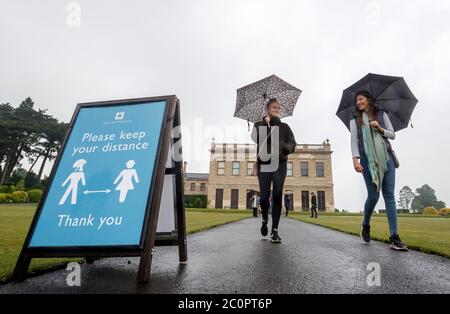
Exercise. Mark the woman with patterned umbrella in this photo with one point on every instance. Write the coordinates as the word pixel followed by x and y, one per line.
pixel 265 103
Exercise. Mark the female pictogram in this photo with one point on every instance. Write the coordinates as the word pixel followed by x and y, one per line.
pixel 126 176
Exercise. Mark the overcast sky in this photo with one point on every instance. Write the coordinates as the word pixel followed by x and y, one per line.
pixel 61 53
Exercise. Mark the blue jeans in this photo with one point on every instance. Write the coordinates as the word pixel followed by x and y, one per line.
pixel 387 188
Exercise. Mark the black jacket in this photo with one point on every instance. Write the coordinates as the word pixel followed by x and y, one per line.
pixel 287 142
pixel 314 200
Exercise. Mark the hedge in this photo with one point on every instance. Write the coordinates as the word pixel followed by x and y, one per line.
pixel 19 197
pixel 195 201
pixel 5 198
pixel 430 211
pixel 34 195
pixel 8 189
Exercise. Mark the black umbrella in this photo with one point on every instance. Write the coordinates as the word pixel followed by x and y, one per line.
pixel 252 99
pixel 390 92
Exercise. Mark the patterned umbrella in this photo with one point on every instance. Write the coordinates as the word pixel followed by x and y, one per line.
pixel 390 92
pixel 252 99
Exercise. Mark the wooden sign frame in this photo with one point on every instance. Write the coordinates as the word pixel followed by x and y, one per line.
pixel 149 236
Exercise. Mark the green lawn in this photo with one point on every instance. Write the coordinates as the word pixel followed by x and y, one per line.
pixel 203 219
pixel 429 234
pixel 15 221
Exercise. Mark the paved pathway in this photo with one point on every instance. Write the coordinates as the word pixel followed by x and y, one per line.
pixel 235 258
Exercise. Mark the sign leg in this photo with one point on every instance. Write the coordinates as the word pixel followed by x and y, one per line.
pixel 21 268
pixel 181 217
pixel 179 190
pixel 182 251
pixel 145 264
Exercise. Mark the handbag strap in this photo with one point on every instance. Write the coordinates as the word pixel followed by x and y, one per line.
pixel 260 148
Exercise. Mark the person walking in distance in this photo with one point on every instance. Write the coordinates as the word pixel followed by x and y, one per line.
pixel 254 203
pixel 313 205
pixel 287 203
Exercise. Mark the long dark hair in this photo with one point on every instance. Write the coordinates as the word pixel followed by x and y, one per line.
pixel 371 100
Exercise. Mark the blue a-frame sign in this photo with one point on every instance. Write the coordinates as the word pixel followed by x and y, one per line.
pixel 106 186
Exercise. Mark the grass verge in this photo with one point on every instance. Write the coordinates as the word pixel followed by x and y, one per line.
pixel 426 234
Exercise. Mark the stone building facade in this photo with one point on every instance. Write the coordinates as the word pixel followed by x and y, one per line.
pixel 230 184
pixel 195 183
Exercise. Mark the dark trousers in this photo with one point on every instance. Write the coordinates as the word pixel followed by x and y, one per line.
pixel 314 211
pixel 255 211
pixel 266 179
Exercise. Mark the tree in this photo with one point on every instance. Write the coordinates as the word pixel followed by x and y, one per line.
pixel 26 132
pixel 52 138
pixel 426 197
pixel 31 180
pixel 19 131
pixel 406 195
pixel 417 205
pixel 6 113
pixel 16 176
pixel 45 181
pixel 439 205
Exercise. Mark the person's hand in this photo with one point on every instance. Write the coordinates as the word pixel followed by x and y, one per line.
pixel 357 165
pixel 267 119
pixel 375 125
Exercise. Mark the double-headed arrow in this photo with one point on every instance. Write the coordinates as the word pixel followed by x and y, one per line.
pixel 99 191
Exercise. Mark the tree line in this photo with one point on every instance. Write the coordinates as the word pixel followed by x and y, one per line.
pixel 27 134
pixel 423 197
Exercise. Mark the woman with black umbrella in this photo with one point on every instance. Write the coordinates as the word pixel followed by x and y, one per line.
pixel 372 155
pixel 271 166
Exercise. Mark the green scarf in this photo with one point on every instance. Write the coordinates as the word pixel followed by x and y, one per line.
pixel 376 152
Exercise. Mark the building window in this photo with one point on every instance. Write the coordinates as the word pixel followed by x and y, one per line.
pixel 219 198
pixel 250 167
pixel 289 169
pixel 192 186
pixel 321 200
pixel 221 167
pixel 236 165
pixel 203 187
pixel 319 169
pixel 304 169
pixel 305 200
pixel 234 199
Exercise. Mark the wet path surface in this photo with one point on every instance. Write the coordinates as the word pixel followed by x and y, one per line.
pixel 235 258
